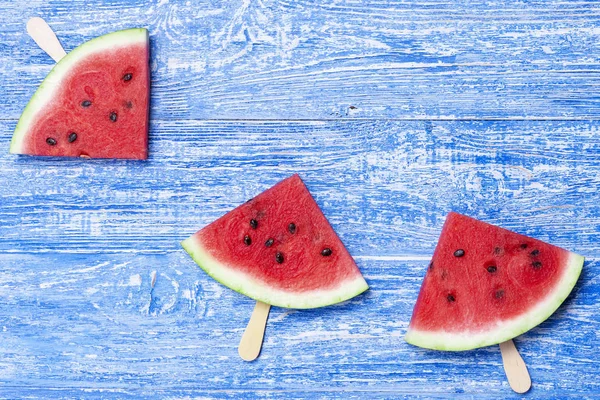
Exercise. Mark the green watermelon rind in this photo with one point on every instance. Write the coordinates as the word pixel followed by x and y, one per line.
pixel 47 89
pixel 246 285
pixel 452 341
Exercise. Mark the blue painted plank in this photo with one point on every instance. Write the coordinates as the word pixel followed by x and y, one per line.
pixel 385 185
pixel 95 321
pixel 307 60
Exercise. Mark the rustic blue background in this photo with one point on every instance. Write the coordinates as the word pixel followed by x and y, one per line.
pixel 394 113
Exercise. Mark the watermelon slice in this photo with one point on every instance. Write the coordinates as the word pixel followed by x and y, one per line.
pixel 278 248
pixel 94 102
pixel 486 285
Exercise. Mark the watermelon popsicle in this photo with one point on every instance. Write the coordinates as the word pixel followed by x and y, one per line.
pixel 94 102
pixel 279 249
pixel 486 285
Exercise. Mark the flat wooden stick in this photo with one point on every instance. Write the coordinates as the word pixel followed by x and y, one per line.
pixel 515 368
pixel 251 342
pixel 45 37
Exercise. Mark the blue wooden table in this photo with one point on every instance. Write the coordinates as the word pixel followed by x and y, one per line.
pixel 394 113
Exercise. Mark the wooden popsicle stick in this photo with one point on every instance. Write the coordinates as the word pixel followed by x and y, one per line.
pixel 45 37
pixel 515 368
pixel 251 342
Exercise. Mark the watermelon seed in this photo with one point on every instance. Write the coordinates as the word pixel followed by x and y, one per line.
pixel 492 268
pixel 127 77
pixel 536 265
pixel 535 252
pixel 279 257
pixel 499 294
pixel 128 104
pixel 86 103
pixel 451 298
pixel 269 243
pixel 431 265
pixel 247 240
pixel 113 116
pixel 326 252
pixel 72 137
pixel 253 223
pixel 51 141
pixel 459 253
pixel 497 250
pixel 292 228
pixel 523 246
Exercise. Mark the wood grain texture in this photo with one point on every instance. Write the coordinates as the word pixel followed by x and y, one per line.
pixel 386 186
pixel 94 321
pixel 393 113
pixel 307 60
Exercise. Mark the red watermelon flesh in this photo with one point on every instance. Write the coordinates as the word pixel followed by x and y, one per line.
pixel 280 249
pixel 94 103
pixel 486 285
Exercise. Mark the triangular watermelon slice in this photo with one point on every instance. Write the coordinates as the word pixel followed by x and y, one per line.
pixel 93 104
pixel 486 285
pixel 278 248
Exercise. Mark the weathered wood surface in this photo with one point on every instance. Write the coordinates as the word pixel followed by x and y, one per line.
pixel 486 108
pixel 301 59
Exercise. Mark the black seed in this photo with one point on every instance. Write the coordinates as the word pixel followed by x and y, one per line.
pixel 279 257
pixel 72 137
pixel 497 250
pixel 535 252
pixel 326 252
pixel 253 223
pixel 431 265
pixel 269 243
pixel 113 116
pixel 247 240
pixel 292 228
pixel 523 246
pixel 86 103
pixel 127 77
pixel 459 253
pixel 51 141
pixel 536 265
pixel 451 298
pixel 499 294
pixel 128 104
pixel 492 268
